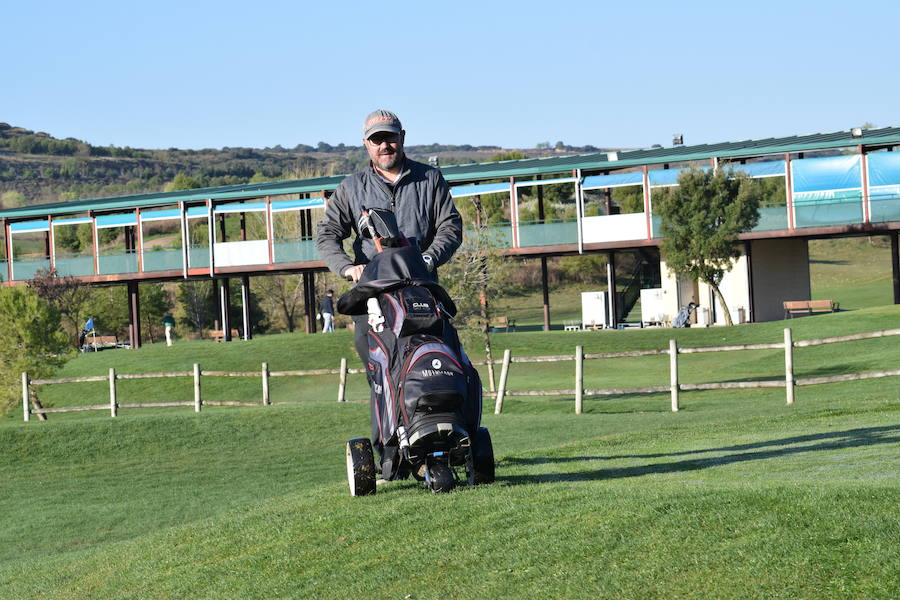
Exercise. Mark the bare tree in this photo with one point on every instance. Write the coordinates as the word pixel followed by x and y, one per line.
pixel 66 295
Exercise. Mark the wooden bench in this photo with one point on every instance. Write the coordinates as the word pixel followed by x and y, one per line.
pixel 219 334
pixel 98 342
pixel 800 308
pixel 504 323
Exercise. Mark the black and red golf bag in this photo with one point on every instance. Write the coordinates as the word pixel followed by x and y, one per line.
pixel 426 395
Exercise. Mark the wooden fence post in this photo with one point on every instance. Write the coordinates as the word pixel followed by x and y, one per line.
pixel 197 401
pixel 501 389
pixel 113 405
pixel 342 381
pixel 673 373
pixel 788 366
pixel 26 409
pixel 579 378
pixel 265 384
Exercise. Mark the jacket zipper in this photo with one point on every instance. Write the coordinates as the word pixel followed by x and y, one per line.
pixel 390 189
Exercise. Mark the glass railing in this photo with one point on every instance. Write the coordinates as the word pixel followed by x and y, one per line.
pixel 655 226
pixel 300 249
pixel 198 257
pixel 119 262
pixel 885 206
pixel 549 233
pixel 26 268
pixel 840 208
pixel 772 218
pixel 163 260
pixel 74 265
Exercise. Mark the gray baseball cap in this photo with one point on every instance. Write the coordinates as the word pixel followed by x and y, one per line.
pixel 381 120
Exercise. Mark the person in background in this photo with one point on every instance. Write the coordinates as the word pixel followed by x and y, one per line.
pixel 169 323
pixel 326 309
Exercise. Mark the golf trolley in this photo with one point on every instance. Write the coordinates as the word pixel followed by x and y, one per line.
pixel 426 395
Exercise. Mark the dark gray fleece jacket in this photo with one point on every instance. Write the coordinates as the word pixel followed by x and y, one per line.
pixel 420 198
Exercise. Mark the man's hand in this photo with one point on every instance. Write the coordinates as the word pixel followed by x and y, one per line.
pixel 354 273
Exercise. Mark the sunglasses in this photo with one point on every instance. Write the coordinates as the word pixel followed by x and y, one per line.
pixel 376 139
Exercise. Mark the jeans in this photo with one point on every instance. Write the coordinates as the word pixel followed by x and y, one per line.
pixel 327 322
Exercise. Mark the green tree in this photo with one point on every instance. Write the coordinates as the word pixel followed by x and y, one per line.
pixel 155 304
pixel 701 219
pixel 195 303
pixel 31 341
pixel 183 181
pixel 282 295
pixel 13 199
pixel 511 155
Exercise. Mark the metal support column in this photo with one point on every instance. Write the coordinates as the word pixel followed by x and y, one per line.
pixel 546 292
pixel 225 308
pixel 540 201
pixel 613 299
pixel 309 300
pixel 134 315
pixel 895 265
pixel 245 306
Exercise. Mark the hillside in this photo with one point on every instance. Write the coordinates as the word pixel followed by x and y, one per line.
pixel 41 168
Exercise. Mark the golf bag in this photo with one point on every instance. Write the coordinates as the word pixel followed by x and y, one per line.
pixel 684 316
pixel 426 395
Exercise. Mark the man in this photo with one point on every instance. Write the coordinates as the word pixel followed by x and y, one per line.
pixel 415 192
pixel 326 308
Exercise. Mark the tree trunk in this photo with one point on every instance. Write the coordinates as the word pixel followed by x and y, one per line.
pixel 486 332
pixel 721 298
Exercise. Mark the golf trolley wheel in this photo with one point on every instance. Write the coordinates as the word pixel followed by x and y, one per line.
pixel 360 467
pixel 484 457
pixel 440 478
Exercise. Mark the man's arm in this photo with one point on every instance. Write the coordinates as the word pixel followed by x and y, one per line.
pixel 448 225
pixel 332 231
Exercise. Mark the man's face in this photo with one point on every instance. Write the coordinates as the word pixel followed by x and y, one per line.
pixel 386 149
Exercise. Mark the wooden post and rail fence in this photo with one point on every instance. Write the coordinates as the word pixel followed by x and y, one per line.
pixel 674 387
pixel 198 402
pixel 789 382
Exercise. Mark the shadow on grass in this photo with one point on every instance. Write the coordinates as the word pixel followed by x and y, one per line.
pixel 834 440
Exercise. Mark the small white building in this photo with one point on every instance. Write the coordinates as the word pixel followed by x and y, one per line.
pixel 767 273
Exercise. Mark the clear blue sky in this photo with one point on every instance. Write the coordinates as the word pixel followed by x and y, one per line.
pixel 203 74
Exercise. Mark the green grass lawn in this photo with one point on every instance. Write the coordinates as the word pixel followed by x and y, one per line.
pixel 735 496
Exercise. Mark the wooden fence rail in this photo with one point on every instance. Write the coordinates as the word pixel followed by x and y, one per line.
pixel 789 382
pixel 198 402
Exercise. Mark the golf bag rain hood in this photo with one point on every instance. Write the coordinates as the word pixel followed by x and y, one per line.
pixel 391 269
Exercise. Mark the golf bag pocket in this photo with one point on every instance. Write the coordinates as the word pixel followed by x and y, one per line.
pixel 382 390
pixel 411 310
pixel 432 379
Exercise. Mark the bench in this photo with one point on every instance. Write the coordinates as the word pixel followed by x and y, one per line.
pixel 504 323
pixel 571 326
pixel 800 308
pixel 219 334
pixel 99 342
